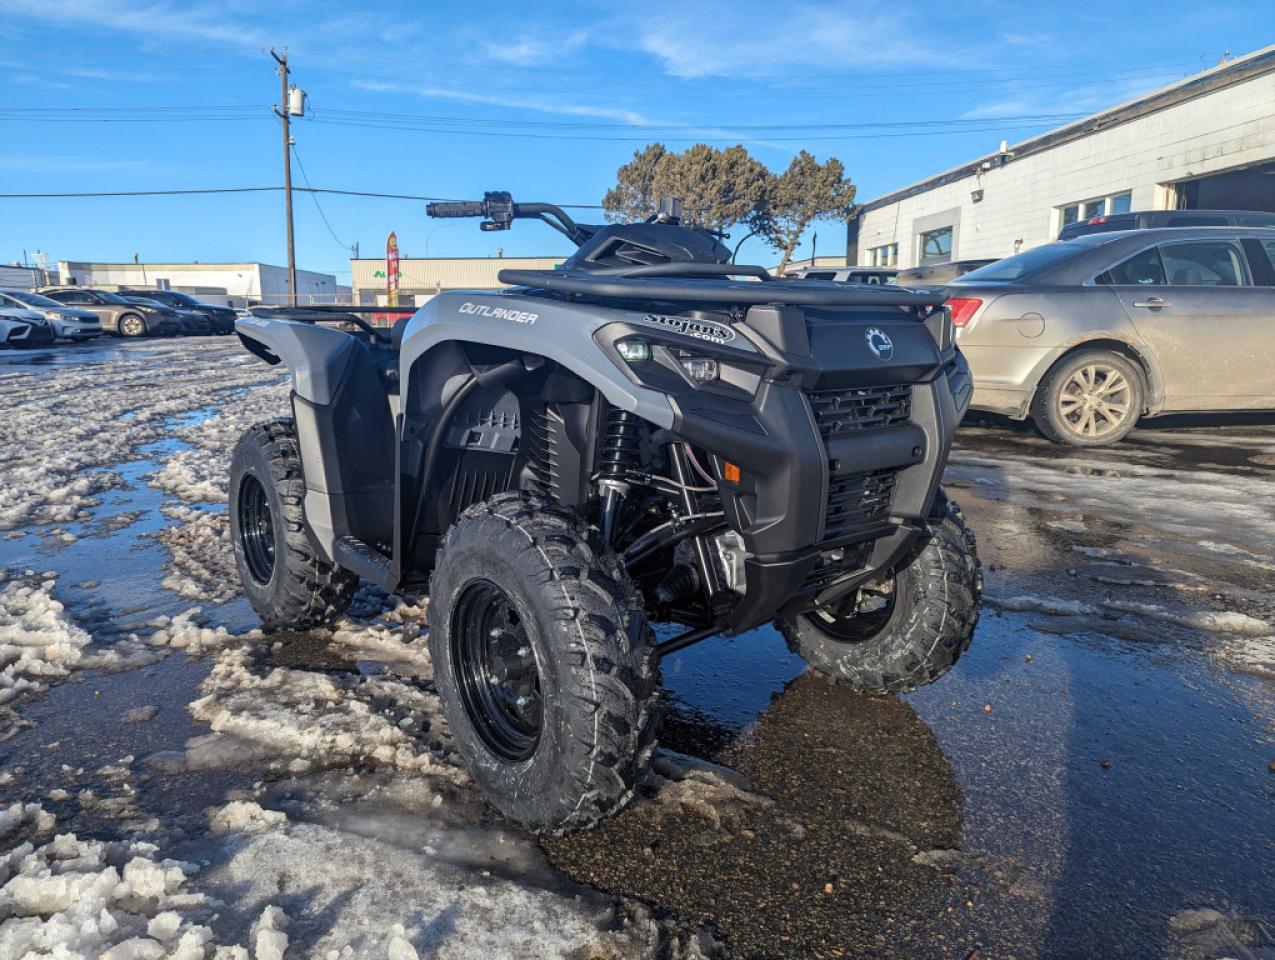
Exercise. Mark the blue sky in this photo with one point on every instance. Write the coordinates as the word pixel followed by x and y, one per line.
pixel 544 100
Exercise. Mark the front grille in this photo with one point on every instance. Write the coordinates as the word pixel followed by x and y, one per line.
pixel 858 502
pixel 841 412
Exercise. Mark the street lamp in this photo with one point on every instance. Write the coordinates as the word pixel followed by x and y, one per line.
pixel 441 226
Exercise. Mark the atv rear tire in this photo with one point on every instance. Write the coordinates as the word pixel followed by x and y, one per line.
pixel 913 628
pixel 544 661
pixel 290 585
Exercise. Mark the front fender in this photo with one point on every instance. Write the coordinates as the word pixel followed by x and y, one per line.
pixel 317 357
pixel 560 332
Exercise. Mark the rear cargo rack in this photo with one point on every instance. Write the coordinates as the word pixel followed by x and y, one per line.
pixel 712 283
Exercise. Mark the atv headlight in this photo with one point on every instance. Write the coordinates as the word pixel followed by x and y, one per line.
pixel 633 351
pixel 700 369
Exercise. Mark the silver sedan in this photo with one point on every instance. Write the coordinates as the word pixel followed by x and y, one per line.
pixel 65 323
pixel 1087 336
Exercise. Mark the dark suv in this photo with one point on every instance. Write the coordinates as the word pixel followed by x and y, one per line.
pixel 1150 219
pixel 222 319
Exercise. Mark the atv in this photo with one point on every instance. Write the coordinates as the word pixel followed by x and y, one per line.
pixel 650 433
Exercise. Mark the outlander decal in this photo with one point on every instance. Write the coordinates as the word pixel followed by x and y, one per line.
pixel 498 313
pixel 708 330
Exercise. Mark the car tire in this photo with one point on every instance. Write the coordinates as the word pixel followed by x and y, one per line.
pixel 131 325
pixel 289 584
pixel 1090 399
pixel 545 663
pixel 907 630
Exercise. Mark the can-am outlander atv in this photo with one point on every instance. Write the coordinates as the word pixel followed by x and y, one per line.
pixel 649 434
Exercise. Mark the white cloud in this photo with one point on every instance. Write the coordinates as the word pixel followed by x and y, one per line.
pixel 748 39
pixel 1085 98
pixel 46 163
pixel 159 19
pixel 514 101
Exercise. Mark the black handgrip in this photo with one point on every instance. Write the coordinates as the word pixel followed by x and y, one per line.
pixel 457 208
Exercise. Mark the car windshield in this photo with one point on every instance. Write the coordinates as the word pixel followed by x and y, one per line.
pixel 108 297
pixel 32 299
pixel 1023 264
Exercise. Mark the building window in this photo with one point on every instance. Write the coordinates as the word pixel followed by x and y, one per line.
pixel 1097 207
pixel 936 245
pixel 884 256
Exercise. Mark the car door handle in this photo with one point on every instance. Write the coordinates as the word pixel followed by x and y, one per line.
pixel 1152 303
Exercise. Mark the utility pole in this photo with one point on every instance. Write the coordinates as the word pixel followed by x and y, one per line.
pixel 284 110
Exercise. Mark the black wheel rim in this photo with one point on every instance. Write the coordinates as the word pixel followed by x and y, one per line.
pixel 496 671
pixel 861 614
pixel 256 529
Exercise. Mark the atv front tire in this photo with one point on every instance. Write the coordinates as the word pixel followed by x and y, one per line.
pixel 287 581
pixel 544 661
pixel 906 630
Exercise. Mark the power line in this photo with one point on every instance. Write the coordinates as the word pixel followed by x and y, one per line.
pixel 136 193
pixel 216 190
pixel 313 196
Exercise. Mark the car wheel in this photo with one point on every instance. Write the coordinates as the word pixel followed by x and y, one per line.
pixel 131 325
pixel 1091 399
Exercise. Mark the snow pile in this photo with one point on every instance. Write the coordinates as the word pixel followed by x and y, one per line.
pixel 189 476
pixel 371 892
pixel 200 474
pixel 245 816
pixel 308 720
pixel 1224 621
pixel 38 641
pixel 74 899
pixel 17 815
pixel 187 632
pixel 202 557
pixel 56 445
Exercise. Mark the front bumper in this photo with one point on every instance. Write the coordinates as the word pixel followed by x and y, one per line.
pixel 195 326
pixel 839 451
pixel 30 336
pixel 73 329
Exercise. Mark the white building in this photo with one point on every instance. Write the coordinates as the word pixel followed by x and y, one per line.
pixel 233 284
pixel 1207 142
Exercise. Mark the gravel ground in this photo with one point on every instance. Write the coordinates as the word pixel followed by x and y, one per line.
pixel 1093 779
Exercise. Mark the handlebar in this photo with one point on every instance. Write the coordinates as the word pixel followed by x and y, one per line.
pixel 498 210
pixel 457 208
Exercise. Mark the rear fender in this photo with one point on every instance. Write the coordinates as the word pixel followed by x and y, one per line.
pixel 344 427
pixel 317 357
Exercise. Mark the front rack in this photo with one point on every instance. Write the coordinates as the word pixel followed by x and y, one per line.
pixel 712 283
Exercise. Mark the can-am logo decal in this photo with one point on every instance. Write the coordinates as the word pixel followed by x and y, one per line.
pixel 691 327
pixel 499 313
pixel 879 344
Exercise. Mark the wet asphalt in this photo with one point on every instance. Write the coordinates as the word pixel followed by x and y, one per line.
pixel 1100 761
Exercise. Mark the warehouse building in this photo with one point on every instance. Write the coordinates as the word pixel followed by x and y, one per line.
pixel 419 280
pixel 1207 142
pixel 232 284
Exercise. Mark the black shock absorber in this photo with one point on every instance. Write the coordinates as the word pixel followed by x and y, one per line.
pixel 621 452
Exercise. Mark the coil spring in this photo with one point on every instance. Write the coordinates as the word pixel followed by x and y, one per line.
pixel 621 447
